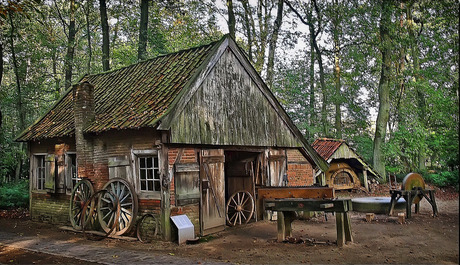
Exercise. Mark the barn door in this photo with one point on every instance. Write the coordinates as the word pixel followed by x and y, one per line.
pixel 212 211
pixel 277 167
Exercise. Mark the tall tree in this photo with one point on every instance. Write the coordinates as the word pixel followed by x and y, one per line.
pixel 70 45
pixel 315 30
pixel 383 88
pixel 273 42
pixel 89 5
pixel 143 29
pixel 231 19
pixel 336 23
pixel 105 35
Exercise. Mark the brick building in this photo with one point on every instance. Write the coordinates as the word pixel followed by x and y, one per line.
pixel 178 134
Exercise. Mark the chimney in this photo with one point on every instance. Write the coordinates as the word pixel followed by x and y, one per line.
pixel 83 95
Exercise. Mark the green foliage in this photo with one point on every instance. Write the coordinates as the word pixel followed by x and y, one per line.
pixel 443 178
pixel 14 194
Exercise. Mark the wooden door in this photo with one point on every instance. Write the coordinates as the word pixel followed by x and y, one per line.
pixel 212 182
pixel 277 167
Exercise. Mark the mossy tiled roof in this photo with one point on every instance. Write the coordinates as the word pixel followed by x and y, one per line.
pixel 131 97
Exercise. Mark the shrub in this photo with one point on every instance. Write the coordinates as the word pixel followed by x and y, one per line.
pixel 14 194
pixel 443 178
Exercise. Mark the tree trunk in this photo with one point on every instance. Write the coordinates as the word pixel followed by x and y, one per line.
pixel 88 35
pixel 105 36
pixel 250 28
pixel 312 120
pixel 383 90
pixel 70 47
pixel 143 27
pixel 19 102
pixel 272 43
pixel 338 94
pixel 231 19
pixel 420 95
pixel 1 72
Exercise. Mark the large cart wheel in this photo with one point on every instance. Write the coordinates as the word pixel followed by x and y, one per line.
pixel 413 181
pixel 81 194
pixel 107 206
pixel 240 207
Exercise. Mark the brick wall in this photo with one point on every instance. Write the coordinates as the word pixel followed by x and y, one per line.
pixel 50 208
pixel 300 171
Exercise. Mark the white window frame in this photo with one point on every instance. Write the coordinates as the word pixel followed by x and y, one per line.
pixel 136 156
pixel 35 174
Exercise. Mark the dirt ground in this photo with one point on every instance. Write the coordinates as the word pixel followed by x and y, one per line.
pixel 423 239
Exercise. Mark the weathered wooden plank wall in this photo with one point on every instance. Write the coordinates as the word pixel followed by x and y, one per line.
pixel 229 109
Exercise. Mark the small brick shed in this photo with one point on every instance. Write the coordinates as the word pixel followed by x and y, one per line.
pixel 346 166
pixel 161 125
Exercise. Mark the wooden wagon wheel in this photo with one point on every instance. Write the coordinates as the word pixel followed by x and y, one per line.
pixel 106 206
pixel 240 207
pixel 81 194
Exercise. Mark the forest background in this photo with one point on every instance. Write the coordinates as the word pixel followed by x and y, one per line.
pixel 382 75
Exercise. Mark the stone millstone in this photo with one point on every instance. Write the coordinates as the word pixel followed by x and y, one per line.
pixel 379 205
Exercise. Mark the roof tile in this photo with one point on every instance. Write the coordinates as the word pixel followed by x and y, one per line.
pixel 131 97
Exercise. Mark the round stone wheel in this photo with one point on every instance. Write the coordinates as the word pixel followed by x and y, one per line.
pixel 379 205
pixel 107 206
pixel 81 193
pixel 240 208
pixel 412 181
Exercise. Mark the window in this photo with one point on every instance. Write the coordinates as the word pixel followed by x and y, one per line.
pixel 73 169
pixel 149 174
pixel 40 171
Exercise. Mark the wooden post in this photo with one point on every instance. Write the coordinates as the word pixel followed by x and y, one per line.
pixel 392 202
pixel 284 222
pixel 365 179
pixel 408 204
pixel 165 194
pixel 433 203
pixel 281 226
pixel 347 226
pixel 340 229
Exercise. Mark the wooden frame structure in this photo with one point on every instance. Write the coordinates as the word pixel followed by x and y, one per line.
pixel 409 196
pixel 286 209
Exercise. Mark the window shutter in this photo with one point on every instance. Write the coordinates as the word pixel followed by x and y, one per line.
pixel 187 185
pixel 50 173
pixel 120 167
pixel 68 174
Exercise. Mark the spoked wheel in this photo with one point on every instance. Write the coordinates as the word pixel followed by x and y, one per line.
pixel 240 207
pixel 107 206
pixel 81 193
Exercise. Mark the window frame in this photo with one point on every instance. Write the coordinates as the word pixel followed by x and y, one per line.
pixel 35 174
pixel 70 179
pixel 136 155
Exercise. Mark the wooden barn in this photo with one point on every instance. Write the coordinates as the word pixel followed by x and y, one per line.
pixel 346 166
pixel 195 132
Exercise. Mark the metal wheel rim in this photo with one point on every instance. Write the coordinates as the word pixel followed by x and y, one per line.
pixel 139 234
pixel 240 208
pixel 81 193
pixel 106 208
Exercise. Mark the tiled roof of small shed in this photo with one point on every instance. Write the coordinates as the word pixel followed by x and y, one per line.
pixel 326 147
pixel 131 97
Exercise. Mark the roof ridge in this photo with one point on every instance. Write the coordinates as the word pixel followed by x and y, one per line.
pixel 152 59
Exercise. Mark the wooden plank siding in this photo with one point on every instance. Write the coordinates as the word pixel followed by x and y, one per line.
pixel 229 109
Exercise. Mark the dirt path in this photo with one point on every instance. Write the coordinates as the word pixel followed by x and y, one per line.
pixel 421 240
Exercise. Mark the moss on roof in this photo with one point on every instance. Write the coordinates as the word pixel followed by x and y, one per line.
pixel 131 97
